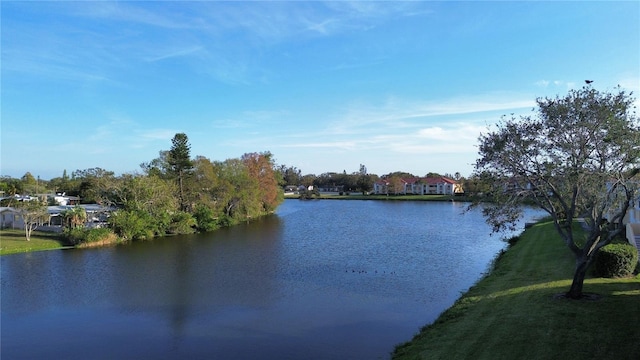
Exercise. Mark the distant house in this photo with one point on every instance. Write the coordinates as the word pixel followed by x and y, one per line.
pixel 440 185
pixel 419 186
pixel 96 215
pixel 64 199
pixel 10 218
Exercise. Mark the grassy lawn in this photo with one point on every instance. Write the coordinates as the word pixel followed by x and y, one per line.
pixel 13 241
pixel 512 313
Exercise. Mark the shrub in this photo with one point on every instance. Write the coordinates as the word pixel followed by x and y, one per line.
pixel 182 223
pixel 205 218
pixel 616 260
pixel 513 240
pixel 75 236
pixel 226 221
pixel 84 236
pixel 99 234
pixel 133 225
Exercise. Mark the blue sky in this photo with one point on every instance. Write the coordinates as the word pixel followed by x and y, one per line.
pixel 324 86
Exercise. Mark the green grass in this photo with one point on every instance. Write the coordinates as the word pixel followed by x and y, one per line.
pixel 513 314
pixel 13 241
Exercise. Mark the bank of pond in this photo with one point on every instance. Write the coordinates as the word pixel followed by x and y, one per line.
pixel 317 279
pixel 517 311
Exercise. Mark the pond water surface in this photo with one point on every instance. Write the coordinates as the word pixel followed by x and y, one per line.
pixel 319 280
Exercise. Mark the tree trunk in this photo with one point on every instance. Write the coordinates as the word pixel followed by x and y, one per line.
pixel 575 292
pixel 182 207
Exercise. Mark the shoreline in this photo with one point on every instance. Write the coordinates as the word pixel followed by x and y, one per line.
pixel 514 310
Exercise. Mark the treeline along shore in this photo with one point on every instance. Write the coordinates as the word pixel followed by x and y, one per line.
pixel 176 193
pixel 173 194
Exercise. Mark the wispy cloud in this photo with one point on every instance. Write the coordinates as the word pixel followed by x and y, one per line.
pixel 156 134
pixel 397 113
pixel 343 145
pixel 223 40
pixel 251 119
pixel 563 84
pixel 153 14
pixel 630 82
pixel 409 127
pixel 176 52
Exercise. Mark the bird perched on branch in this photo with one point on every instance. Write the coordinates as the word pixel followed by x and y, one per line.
pixel 588 81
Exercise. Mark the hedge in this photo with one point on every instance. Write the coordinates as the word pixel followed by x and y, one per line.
pixel 616 260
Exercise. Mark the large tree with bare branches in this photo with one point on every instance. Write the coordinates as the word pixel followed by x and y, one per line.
pixel 577 157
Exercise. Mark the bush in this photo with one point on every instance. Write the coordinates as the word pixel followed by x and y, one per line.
pixel 75 236
pixel 99 234
pixel 133 225
pixel 182 223
pixel 84 236
pixel 616 260
pixel 205 218
pixel 513 240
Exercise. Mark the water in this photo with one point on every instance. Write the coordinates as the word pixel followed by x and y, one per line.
pixel 318 280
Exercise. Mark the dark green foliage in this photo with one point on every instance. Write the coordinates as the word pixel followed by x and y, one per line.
pixel 180 164
pixel 513 240
pixel 11 186
pixel 75 236
pixel 226 221
pixel 182 223
pixel 179 158
pixel 616 260
pixel 310 194
pixel 133 225
pixel 205 218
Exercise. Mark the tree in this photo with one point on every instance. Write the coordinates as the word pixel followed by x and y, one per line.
pixel 204 182
pixel 33 213
pixel 29 183
pixel 402 174
pixel 395 185
pixel 158 166
pixel 364 180
pixel 60 184
pixel 28 179
pixel 308 180
pixel 290 175
pixel 93 184
pixel 180 164
pixel 238 191
pixel 131 224
pixel 150 197
pixel 260 167
pixel 10 186
pixel 577 157
pixel 74 217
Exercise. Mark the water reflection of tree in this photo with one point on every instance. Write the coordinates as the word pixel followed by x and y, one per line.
pixel 225 270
